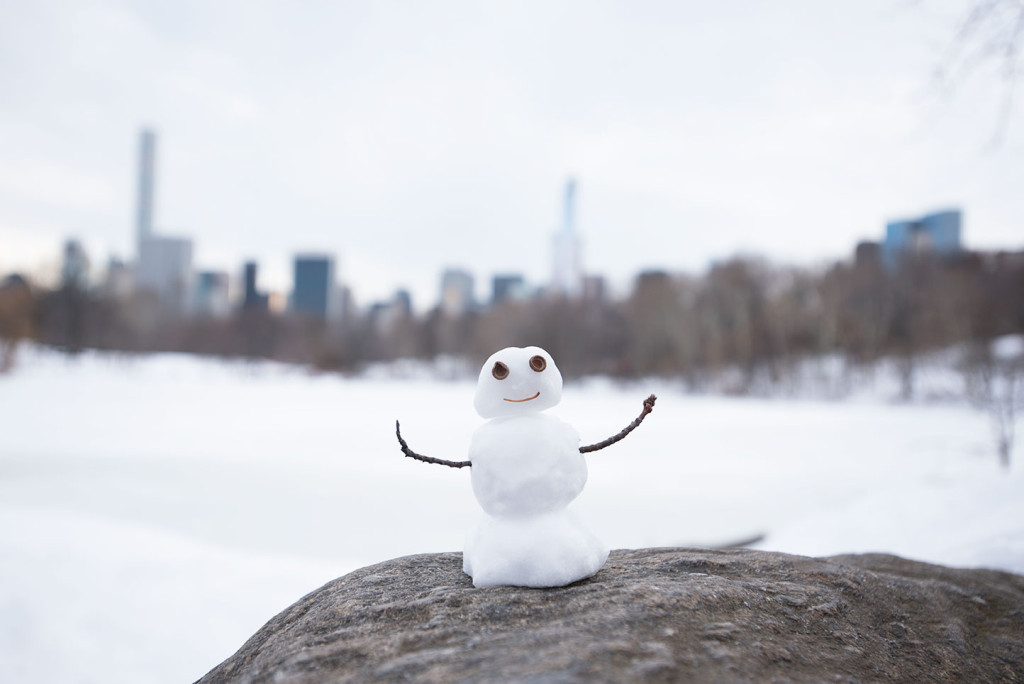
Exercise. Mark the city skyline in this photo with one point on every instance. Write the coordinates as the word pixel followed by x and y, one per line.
pixel 405 140
pixel 163 265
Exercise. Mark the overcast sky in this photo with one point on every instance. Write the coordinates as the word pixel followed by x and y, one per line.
pixel 404 137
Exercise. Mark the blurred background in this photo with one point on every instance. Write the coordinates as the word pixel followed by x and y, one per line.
pixel 238 240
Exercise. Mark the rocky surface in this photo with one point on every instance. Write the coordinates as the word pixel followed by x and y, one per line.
pixel 653 615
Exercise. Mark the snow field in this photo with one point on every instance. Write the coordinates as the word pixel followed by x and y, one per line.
pixel 154 512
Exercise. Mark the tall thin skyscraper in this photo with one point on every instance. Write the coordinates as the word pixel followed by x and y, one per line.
pixel 569 226
pixel 567 275
pixel 163 263
pixel 147 185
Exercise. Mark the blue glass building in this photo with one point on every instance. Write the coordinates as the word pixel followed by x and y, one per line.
pixel 314 279
pixel 509 286
pixel 937 233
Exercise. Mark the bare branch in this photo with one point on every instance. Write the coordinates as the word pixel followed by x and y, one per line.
pixel 1010 64
pixel 426 459
pixel 648 407
pixel 990 32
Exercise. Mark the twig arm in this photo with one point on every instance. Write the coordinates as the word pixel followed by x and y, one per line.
pixel 426 459
pixel 648 407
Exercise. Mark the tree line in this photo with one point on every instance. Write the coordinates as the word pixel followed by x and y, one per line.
pixel 744 315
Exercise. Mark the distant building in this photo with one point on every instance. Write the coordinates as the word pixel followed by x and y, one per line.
pixel 251 273
pixel 385 316
pixel 651 280
pixel 252 298
pixel 165 268
pixel 211 294
pixel 567 276
pixel 74 270
pixel 345 306
pixel 381 317
pixel 595 289
pixel 403 303
pixel 509 286
pixel 313 284
pixel 867 253
pixel 937 233
pixel 15 283
pixel 163 264
pixel 119 282
pixel 146 188
pixel 456 292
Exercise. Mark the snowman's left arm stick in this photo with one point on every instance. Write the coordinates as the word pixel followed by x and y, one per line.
pixel 648 407
pixel 426 459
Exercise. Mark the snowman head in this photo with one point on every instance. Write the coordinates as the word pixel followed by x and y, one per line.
pixel 517 380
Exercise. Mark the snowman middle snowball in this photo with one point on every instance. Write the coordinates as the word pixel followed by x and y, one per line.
pixel 527 468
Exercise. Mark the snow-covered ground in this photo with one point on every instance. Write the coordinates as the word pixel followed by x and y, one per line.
pixel 155 512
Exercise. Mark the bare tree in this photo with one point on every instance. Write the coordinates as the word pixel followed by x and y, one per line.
pixel 994 375
pixel 16 312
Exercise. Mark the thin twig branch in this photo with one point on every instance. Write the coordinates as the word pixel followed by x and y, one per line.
pixel 426 459
pixel 991 32
pixel 648 407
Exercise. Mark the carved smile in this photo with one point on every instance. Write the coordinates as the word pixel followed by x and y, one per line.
pixel 519 401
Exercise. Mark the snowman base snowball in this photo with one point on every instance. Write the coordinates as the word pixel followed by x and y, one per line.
pixel 544 550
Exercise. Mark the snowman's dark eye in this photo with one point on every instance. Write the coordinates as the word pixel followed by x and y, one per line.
pixel 500 370
pixel 538 363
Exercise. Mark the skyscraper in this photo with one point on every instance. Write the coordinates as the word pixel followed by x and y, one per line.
pixel 253 299
pixel 456 291
pixel 567 276
pixel 938 233
pixel 507 286
pixel 74 272
pixel 314 280
pixel 165 267
pixel 210 297
pixel 163 264
pixel 147 186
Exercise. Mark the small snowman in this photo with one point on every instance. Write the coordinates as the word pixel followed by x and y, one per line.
pixel 527 467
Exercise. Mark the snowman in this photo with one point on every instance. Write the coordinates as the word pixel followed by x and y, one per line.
pixel 526 468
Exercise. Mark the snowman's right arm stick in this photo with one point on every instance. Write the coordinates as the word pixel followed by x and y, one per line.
pixel 648 407
pixel 426 459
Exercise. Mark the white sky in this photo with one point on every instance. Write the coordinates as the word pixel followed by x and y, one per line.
pixel 404 137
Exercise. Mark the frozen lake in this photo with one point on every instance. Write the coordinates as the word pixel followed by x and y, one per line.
pixel 155 512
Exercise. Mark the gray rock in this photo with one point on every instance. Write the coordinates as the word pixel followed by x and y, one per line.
pixel 654 615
